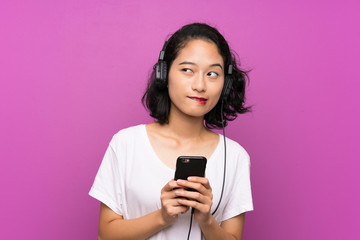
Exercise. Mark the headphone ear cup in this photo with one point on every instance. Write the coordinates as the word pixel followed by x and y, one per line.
pixel 227 87
pixel 161 72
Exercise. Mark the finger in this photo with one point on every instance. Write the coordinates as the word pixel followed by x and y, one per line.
pixel 169 195
pixel 204 208
pixel 191 195
pixel 196 196
pixel 180 209
pixel 186 209
pixel 194 185
pixel 166 196
pixel 174 208
pixel 204 181
pixel 173 203
pixel 170 186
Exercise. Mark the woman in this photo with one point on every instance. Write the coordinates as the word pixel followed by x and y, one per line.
pixel 187 97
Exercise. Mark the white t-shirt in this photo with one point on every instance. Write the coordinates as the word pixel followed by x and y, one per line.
pixel 131 176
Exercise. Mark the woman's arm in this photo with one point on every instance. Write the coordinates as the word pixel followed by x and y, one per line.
pixel 113 226
pixel 229 229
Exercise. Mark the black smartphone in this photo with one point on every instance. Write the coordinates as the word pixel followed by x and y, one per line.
pixel 187 166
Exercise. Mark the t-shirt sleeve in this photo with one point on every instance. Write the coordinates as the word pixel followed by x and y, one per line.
pixel 241 197
pixel 106 187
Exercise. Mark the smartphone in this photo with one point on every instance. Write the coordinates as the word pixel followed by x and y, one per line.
pixel 187 166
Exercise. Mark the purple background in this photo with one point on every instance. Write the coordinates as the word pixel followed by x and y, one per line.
pixel 73 72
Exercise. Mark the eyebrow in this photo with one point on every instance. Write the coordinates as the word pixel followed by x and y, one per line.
pixel 191 63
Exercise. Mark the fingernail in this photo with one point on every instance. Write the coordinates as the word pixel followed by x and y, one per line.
pixel 179 181
pixel 190 178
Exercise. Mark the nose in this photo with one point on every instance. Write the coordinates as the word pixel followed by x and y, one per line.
pixel 199 83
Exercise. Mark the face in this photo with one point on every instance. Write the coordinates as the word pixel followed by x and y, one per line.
pixel 196 79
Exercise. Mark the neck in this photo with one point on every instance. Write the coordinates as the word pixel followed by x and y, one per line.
pixel 184 126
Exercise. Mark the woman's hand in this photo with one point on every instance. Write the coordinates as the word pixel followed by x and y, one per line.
pixel 170 207
pixel 201 200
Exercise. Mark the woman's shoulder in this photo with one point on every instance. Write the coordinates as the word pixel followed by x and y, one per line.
pixel 234 148
pixel 125 135
pixel 130 130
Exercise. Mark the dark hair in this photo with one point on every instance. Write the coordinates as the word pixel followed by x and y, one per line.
pixel 156 98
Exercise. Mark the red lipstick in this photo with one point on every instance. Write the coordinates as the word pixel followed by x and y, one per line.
pixel 201 100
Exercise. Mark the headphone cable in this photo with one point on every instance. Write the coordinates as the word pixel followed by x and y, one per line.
pixel 223 128
pixel 191 219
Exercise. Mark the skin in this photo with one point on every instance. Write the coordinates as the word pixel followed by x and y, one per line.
pixel 196 72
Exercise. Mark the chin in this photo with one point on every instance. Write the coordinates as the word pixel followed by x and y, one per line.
pixel 196 114
pixel 193 111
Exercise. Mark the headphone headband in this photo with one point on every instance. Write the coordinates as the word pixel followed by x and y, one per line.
pixel 162 52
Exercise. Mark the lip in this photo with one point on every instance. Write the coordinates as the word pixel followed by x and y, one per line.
pixel 201 100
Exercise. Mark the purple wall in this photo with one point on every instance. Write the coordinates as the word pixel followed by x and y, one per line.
pixel 73 72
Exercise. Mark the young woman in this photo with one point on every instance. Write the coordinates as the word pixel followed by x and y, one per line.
pixel 139 198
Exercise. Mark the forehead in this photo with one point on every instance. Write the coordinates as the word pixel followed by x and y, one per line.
pixel 200 52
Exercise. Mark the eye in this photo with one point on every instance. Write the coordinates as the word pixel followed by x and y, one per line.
pixel 186 70
pixel 213 74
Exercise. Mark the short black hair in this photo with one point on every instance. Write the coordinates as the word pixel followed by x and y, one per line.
pixel 156 97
